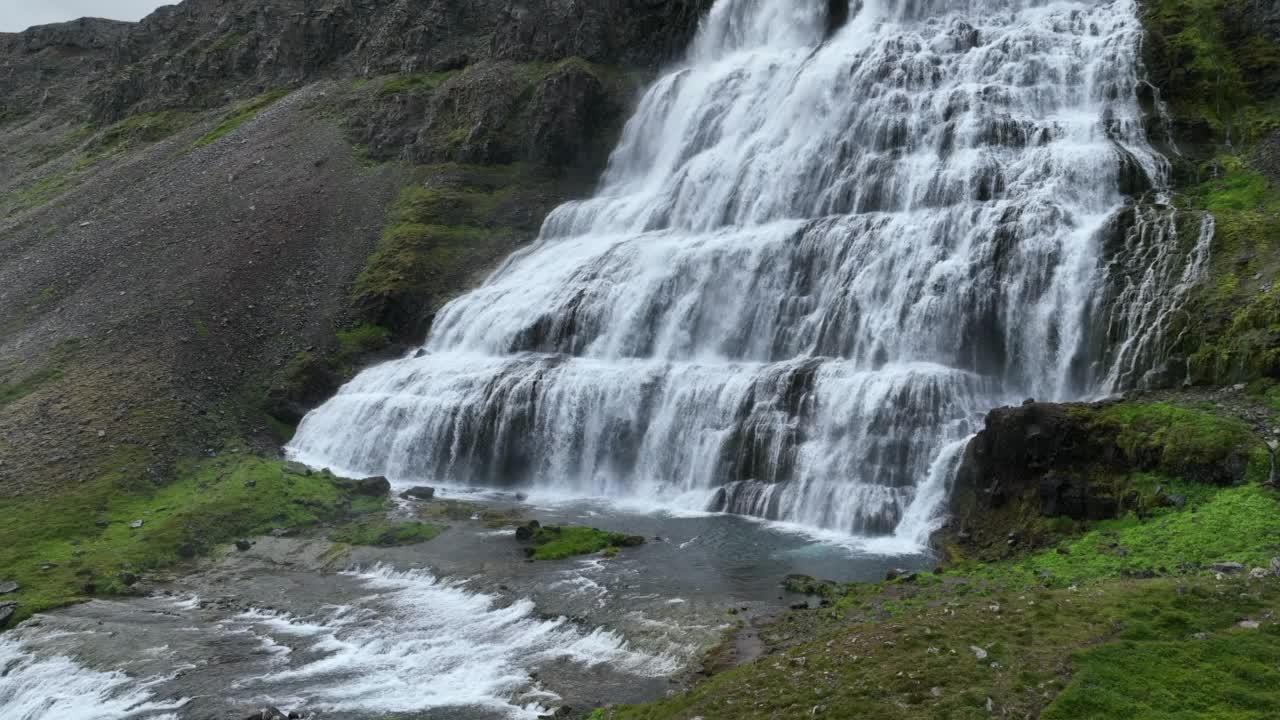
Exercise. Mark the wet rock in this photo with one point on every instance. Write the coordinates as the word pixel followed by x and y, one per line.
pixel 8 586
pixel 525 532
pixel 274 713
pixel 243 545
pixel 421 492
pixel 1227 567
pixel 799 606
pixel 7 609
pixel 297 468
pixel 627 541
pixel 135 524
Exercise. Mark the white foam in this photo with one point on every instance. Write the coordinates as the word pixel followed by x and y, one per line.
pixel 435 644
pixel 35 686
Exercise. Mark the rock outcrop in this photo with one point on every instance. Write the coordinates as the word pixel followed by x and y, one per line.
pixel 1081 462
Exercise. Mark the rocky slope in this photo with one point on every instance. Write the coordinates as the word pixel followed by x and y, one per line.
pixel 198 212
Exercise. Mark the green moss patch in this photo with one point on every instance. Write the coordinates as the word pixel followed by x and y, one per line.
pixel 241 115
pixel 555 542
pixel 381 532
pixel 1240 524
pixel 1183 442
pixel 69 547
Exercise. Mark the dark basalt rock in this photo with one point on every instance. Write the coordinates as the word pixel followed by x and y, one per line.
pixel 371 486
pixel 422 492
pixel 525 532
pixel 7 609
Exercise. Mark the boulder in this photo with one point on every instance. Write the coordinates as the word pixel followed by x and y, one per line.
pixel 135 524
pixel 1227 567
pixel 243 545
pixel 525 532
pixel 421 492
pixel 7 609
pixel 8 586
pixel 371 486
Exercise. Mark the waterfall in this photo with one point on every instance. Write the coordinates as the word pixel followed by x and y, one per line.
pixel 816 259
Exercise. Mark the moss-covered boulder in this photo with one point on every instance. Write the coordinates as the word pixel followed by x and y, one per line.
pixel 1037 469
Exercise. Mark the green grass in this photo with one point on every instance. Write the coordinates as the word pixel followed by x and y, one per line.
pixel 561 542
pixel 1229 676
pixel 241 115
pixel 1240 524
pixel 85 532
pixel 381 532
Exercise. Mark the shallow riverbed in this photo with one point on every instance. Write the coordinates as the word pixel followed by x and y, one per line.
pixel 460 627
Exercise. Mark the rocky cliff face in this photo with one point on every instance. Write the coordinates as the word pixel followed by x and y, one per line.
pixel 205 52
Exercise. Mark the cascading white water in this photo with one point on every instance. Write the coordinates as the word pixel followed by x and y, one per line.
pixel 812 265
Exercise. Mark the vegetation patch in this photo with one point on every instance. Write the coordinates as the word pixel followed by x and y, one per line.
pixel 144 128
pixel 381 532
pixel 1182 442
pixel 405 82
pixel 99 537
pixel 241 115
pixel 555 542
pixel 436 237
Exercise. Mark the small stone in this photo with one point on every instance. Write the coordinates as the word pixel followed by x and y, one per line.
pixel 1248 625
pixel 243 545
pixel 1227 567
pixel 1258 573
pixel 978 652
pixel 1201 636
pixel 135 524
pixel 935 691
pixel 991 705
pixel 8 586
pixel 128 578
